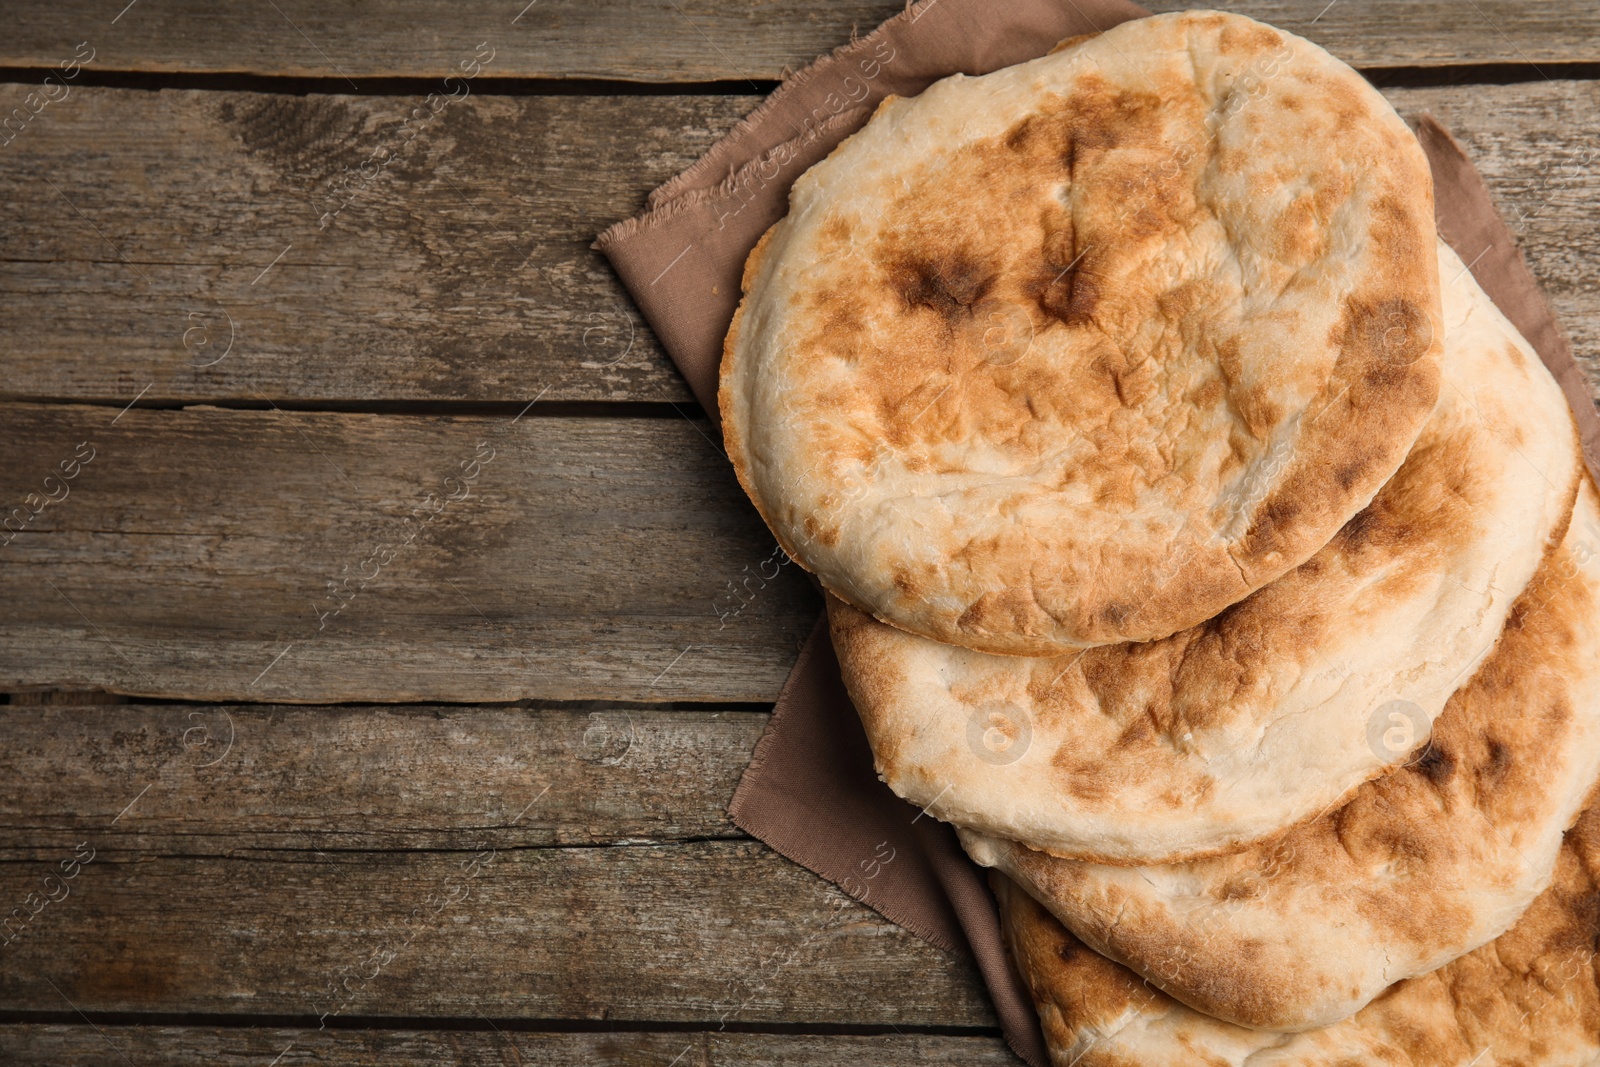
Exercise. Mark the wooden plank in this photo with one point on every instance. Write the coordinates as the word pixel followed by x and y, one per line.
pixel 307 837
pixel 462 272
pixel 314 557
pixel 224 780
pixel 1379 34
pixel 697 40
pixel 300 268
pixel 1536 148
pixel 253 1047
pixel 67 696
pixel 710 932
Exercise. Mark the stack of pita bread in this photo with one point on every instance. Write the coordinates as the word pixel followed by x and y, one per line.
pixel 1204 545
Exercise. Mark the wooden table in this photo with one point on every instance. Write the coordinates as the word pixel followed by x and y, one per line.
pixel 395 633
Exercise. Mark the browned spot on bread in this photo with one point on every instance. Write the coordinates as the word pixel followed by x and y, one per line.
pixel 907 584
pixel 1337 98
pixel 1115 613
pixel 1384 334
pixel 825 534
pixel 1275 523
pixel 1249 38
pixel 1028 136
pixel 948 285
pixel 1347 474
pixel 1436 764
pixel 1208 394
pixel 1086 782
pixel 836 230
pixel 990 613
pixel 1498 763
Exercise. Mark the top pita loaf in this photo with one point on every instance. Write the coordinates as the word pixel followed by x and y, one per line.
pixel 1270 713
pixel 1090 348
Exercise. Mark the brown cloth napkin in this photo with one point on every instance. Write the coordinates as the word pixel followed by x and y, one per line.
pixel 811 791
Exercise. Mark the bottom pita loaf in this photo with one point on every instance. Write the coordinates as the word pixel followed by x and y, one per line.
pixel 1530 998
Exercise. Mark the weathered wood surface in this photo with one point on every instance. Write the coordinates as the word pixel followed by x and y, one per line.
pixel 700 932
pixel 312 557
pixel 1536 147
pixel 41 697
pixel 462 271
pixel 83 1046
pixel 224 245
pixel 238 860
pixel 226 780
pixel 696 40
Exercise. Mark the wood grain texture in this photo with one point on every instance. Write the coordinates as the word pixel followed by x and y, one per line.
pixel 66 696
pixel 1377 34
pixel 462 271
pixel 704 932
pixel 238 859
pixel 225 780
pixel 83 1046
pixel 313 557
pixel 229 245
pixel 1536 148
pixel 696 40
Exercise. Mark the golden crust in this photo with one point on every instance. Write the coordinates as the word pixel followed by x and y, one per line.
pixel 1418 868
pixel 1088 349
pixel 1530 998
pixel 1258 719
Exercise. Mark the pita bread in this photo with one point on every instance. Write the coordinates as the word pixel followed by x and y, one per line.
pixel 1530 998
pixel 1273 711
pixel 1088 349
pixel 1420 867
